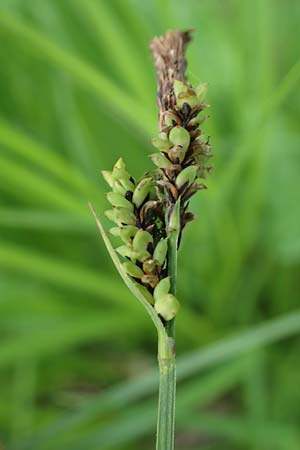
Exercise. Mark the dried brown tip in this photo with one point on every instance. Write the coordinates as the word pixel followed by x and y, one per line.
pixel 169 58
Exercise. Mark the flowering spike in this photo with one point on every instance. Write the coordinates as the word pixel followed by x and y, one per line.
pixel 150 221
pixel 151 214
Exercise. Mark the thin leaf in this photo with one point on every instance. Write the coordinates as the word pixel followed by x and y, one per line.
pixel 61 272
pixel 24 182
pixel 60 337
pixel 138 421
pixel 109 32
pixel 188 365
pixel 127 280
pixel 202 390
pixel 28 148
pixel 46 220
pixel 110 95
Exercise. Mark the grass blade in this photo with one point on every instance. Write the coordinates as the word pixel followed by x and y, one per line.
pixel 111 97
pixel 23 182
pixel 187 365
pixel 44 158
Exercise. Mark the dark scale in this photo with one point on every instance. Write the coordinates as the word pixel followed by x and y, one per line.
pixel 129 195
pixel 186 109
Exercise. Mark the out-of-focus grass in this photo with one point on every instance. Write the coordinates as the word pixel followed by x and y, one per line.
pixel 77 362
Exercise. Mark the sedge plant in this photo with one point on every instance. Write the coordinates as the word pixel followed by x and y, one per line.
pixel 150 214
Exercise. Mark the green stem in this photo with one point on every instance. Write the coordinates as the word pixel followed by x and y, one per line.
pixel 166 350
pixel 172 272
pixel 166 403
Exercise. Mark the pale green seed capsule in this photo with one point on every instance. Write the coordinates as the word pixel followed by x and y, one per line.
pixel 141 191
pixel 168 121
pixel 132 269
pixel 141 256
pixel 187 175
pixel 190 98
pixel 201 91
pixel 179 87
pixel 167 306
pixel 110 214
pixel 115 231
pixel 180 136
pixel 162 288
pixel 164 136
pixel 141 241
pixel 161 144
pixel 198 120
pixel 124 217
pixel 174 221
pixel 118 200
pixel 123 177
pixel 119 188
pixel 177 153
pixel 185 94
pixel 125 251
pixel 160 160
pixel 120 164
pixel 108 177
pixel 127 233
pixel 160 251
pixel 149 265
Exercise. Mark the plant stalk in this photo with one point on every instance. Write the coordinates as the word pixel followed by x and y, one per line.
pixel 167 369
pixel 166 352
pixel 166 403
pixel 172 272
pixel 169 57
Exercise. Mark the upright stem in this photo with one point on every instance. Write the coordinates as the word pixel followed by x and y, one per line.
pixel 172 272
pixel 169 57
pixel 166 403
pixel 166 350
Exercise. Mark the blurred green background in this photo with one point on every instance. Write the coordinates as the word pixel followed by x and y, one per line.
pixel 77 354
